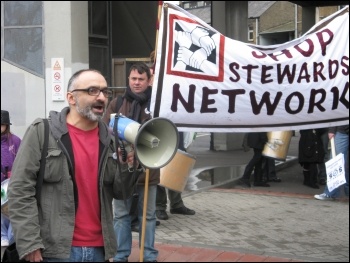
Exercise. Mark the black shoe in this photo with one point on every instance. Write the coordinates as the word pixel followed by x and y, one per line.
pixel 323 181
pixel 182 211
pixel 245 181
pixel 312 185
pixel 157 223
pixel 162 215
pixel 264 184
pixel 276 180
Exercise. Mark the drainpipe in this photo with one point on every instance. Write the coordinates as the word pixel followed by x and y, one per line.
pixel 257 30
pixel 317 15
pixel 296 21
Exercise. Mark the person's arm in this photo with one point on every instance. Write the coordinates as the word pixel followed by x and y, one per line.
pixel 195 59
pixel 200 37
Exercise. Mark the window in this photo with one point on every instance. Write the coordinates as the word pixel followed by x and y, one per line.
pixel 22 35
pixel 98 19
pixel 200 3
pixel 250 33
pixel 193 4
pixel 99 49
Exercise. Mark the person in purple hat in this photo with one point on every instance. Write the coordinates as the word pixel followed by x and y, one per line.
pixel 9 147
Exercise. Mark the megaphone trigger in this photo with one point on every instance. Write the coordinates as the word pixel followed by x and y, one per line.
pixel 123 151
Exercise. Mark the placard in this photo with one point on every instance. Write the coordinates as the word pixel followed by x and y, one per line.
pixel 335 172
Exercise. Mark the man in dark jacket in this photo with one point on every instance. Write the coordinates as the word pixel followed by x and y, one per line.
pixel 311 153
pixel 135 104
pixel 177 205
pixel 255 140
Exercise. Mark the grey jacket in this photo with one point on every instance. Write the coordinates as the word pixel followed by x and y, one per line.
pixel 50 227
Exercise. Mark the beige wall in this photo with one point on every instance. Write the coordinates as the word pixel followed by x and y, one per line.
pixel 281 12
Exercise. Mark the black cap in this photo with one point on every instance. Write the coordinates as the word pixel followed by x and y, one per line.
pixel 5 117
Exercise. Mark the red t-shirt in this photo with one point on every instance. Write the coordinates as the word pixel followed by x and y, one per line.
pixel 88 229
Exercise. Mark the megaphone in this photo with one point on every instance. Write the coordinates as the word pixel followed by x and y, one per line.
pixel 155 142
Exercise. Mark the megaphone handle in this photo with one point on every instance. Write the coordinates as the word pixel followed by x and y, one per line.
pixel 145 201
pixel 117 141
pixel 123 151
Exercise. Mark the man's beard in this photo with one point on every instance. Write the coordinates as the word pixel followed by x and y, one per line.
pixel 88 113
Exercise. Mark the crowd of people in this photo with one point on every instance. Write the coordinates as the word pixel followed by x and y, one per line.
pixel 90 198
pixel 313 153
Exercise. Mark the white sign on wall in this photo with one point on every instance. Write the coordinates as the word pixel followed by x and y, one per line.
pixel 57 71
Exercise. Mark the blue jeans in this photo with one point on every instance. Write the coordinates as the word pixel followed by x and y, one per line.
pixel 6 229
pixel 341 141
pixel 122 225
pixel 82 254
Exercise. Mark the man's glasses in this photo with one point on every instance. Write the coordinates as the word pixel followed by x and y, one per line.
pixel 94 91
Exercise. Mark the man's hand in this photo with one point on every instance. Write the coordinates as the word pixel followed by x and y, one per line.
pixel 34 256
pixel 330 135
pixel 130 156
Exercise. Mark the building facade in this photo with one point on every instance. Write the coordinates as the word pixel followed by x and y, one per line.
pixel 44 42
pixel 277 22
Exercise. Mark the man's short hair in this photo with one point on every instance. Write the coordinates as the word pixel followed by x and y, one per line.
pixel 141 68
pixel 76 75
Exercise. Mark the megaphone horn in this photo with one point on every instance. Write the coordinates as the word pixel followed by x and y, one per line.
pixel 155 142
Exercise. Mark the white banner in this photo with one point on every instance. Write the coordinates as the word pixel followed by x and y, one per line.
pixel 206 82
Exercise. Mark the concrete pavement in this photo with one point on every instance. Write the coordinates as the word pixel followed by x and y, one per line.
pixel 234 223
pixel 281 223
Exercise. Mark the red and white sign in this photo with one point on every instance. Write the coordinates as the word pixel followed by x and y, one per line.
pixel 206 82
pixel 57 71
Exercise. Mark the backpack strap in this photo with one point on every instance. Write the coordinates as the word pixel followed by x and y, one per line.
pixel 119 103
pixel 42 161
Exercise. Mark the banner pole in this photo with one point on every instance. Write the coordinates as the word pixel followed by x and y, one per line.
pixel 160 5
pixel 144 214
pixel 145 196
